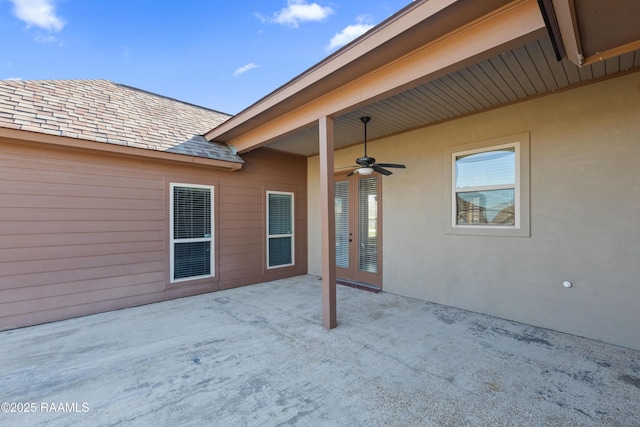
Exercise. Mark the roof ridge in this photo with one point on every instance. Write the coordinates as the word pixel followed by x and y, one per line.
pixel 26 81
pixel 56 80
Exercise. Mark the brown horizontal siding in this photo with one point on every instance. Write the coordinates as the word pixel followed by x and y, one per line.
pixel 78 298
pixel 75 263
pixel 66 214
pixel 23 228
pixel 46 291
pixel 43 253
pixel 73 201
pixel 78 190
pixel 241 216
pixel 34 172
pixel 82 233
pixel 65 276
pixel 54 239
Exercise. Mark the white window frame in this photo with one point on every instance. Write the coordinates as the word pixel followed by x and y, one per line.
pixel 521 228
pixel 273 236
pixel 173 241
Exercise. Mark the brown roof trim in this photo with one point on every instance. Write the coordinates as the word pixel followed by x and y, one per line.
pixel 411 27
pixel 19 136
pixel 574 25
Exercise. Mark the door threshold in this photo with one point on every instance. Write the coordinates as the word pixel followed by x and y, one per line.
pixel 358 285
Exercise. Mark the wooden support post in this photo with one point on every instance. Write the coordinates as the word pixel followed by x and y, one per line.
pixel 328 224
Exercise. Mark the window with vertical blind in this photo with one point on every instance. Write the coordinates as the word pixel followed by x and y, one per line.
pixel 490 187
pixel 280 228
pixel 368 224
pixel 191 232
pixel 341 209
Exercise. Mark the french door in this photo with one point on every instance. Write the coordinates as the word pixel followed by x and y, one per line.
pixel 358 211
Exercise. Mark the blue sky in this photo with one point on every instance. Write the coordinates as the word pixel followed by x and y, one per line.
pixel 223 55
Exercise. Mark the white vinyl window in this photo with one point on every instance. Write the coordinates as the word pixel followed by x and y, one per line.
pixel 486 187
pixel 191 231
pixel 280 228
pixel 490 187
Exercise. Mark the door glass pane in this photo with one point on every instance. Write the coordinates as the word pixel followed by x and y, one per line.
pixel 496 167
pixel 342 223
pixel 368 224
pixel 495 207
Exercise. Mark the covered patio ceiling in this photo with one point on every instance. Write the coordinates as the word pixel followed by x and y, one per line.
pixel 524 66
pixel 516 75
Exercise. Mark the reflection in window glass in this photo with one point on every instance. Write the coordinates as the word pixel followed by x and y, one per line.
pixel 495 207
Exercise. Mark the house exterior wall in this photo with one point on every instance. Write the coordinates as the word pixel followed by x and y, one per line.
pixel 584 215
pixel 84 232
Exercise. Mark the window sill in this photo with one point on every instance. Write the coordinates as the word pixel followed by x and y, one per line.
pixel 489 231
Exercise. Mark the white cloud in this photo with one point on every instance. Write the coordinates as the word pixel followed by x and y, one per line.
pixel 349 33
pixel 40 38
pixel 41 13
pixel 13 78
pixel 244 69
pixel 298 11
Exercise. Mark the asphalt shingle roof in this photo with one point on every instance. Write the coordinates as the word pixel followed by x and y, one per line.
pixel 103 111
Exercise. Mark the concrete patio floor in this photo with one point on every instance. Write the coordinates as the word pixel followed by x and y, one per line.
pixel 259 356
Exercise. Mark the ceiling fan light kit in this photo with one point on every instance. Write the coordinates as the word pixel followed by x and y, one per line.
pixel 367 165
pixel 365 171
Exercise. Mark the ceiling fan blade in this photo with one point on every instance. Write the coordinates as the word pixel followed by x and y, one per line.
pixel 351 173
pixel 378 169
pixel 391 165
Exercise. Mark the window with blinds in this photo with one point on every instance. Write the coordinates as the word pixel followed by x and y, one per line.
pixel 341 196
pixel 368 224
pixel 486 187
pixel 280 227
pixel 191 228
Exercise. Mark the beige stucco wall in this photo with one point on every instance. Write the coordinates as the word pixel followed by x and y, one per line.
pixel 585 216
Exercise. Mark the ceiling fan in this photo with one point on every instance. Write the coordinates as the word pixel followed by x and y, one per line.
pixel 367 165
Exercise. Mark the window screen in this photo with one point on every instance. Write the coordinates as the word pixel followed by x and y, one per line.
pixel 191 232
pixel 280 241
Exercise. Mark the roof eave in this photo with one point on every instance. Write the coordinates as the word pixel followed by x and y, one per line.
pixel 21 136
